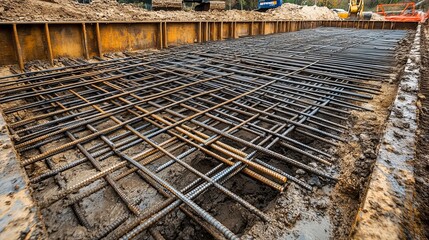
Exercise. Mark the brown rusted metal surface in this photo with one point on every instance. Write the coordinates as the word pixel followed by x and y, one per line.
pixel 23 42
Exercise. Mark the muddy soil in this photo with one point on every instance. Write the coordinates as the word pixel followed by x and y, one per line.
pixel 5 71
pixel 358 155
pixel 229 212
pixel 111 10
pixel 421 167
pixel 356 159
pixel 35 65
pixel 104 206
pixel 328 212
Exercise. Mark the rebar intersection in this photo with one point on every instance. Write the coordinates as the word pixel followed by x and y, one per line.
pixel 262 107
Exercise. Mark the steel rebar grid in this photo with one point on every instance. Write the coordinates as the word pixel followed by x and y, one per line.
pixel 237 102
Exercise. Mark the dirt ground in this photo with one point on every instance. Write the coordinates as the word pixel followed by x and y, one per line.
pixel 110 10
pixel 422 160
pixel 357 159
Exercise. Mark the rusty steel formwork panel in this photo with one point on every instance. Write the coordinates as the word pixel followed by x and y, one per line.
pixel 23 42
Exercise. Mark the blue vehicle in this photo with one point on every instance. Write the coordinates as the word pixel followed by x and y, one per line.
pixel 264 5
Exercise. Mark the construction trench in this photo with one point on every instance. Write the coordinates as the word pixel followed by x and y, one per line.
pixel 272 136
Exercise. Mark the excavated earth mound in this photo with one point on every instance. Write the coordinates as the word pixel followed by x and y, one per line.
pixel 111 10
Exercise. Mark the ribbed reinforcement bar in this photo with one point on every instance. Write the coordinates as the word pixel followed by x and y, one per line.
pixel 261 107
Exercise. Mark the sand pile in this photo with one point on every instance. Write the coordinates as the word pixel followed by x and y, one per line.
pixel 296 12
pixel 110 10
pixel 65 10
pixel 376 17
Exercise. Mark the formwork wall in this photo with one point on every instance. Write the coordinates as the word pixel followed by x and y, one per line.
pixel 23 42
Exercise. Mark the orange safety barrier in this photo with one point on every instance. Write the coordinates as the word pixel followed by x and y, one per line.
pixel 401 12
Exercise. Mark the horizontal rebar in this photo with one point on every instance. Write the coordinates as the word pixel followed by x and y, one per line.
pixel 260 107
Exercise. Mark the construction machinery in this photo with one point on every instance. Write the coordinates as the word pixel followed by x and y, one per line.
pixel 354 12
pixel 264 5
pixel 343 14
pixel 355 9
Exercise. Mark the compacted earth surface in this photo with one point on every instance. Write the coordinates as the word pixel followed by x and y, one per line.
pixel 421 165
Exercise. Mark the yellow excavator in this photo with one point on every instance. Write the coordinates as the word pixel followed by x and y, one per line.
pixel 355 11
